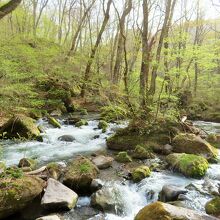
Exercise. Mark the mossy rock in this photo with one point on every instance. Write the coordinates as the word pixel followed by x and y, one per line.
pixel 103 125
pixel 192 144
pixel 138 134
pixel 123 157
pixel 27 162
pixel 141 152
pixel 165 211
pixel 54 170
pixel 140 173
pixel 188 164
pixel 80 173
pixel 17 193
pixel 80 123
pixel 213 207
pixel 20 126
pixel 53 122
pixel 214 140
pixel 83 112
pixel 35 114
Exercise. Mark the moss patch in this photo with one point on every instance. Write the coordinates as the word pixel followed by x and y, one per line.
pixel 213 207
pixel 188 164
pixel 80 123
pixel 140 173
pixel 123 157
pixel 54 122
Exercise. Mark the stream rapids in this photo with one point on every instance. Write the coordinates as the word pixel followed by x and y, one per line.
pixel 133 196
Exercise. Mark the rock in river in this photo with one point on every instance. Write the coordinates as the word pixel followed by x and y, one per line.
pixel 164 211
pixel 80 173
pixel 66 138
pixel 16 193
pixel 192 144
pixel 170 193
pixel 20 126
pixel 58 196
pixel 103 162
pixel 188 164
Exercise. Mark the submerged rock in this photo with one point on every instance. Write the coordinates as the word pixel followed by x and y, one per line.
pixel 188 164
pixel 20 126
pixel 16 193
pixel 123 157
pixel 58 197
pixel 171 193
pixel 103 162
pixel 66 138
pixel 192 144
pixel 140 173
pixel 164 211
pixel 53 122
pixel 79 175
pixel 213 207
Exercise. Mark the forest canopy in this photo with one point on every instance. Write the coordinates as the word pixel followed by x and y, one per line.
pixel 158 56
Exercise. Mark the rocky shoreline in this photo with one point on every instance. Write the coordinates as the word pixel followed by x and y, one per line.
pixel 55 188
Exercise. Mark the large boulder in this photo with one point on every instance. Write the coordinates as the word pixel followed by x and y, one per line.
pixel 103 162
pixel 140 173
pixel 16 193
pixel 20 126
pixel 189 165
pixel 213 207
pixel 171 193
pixel 192 144
pixel 79 175
pixel 108 199
pixel 164 211
pixel 58 197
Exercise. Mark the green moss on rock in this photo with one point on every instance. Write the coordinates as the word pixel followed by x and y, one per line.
pixel 79 175
pixel 123 157
pixel 27 162
pixel 213 207
pixel 188 164
pixel 80 123
pixel 103 125
pixel 140 173
pixel 141 152
pixel 15 194
pixel 20 126
pixel 192 144
pixel 53 122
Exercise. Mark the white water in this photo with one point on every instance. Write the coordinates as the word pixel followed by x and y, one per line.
pixel 134 196
pixel 52 149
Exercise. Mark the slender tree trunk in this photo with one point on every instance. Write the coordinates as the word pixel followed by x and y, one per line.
pixel 94 49
pixel 9 7
pixel 119 54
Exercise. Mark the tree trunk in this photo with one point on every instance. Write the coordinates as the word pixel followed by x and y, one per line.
pixel 94 49
pixel 9 7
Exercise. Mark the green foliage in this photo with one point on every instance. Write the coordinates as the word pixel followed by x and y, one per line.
pixel 12 172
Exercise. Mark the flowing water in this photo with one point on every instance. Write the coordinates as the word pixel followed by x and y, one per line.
pixel 89 139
